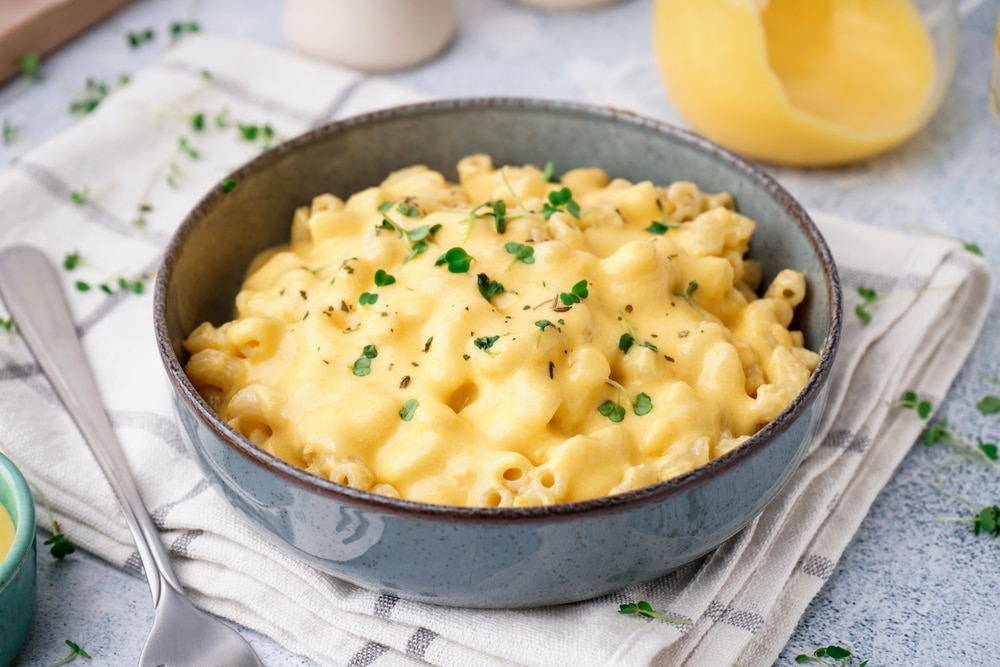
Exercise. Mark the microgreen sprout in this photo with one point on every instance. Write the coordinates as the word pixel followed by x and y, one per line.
pixel 74 652
pixel 627 340
pixel 485 343
pixel 409 409
pixel 382 278
pixel 457 259
pixel 911 401
pixel 549 172
pixel 408 209
pixel 228 184
pixel 30 66
pixel 7 324
pixel 179 28
pixel 498 211
pixel 819 656
pixel 367 298
pixel 661 226
pixel 137 39
pixel 612 410
pixel 197 121
pixel 575 294
pixel 868 296
pixel 560 200
pixel 71 260
pixel 689 291
pixel 140 219
pixel 80 196
pixel 989 404
pixel 59 545
pixel 488 288
pixel 93 94
pixel 521 252
pixel 544 324
pixel 615 412
pixel 644 609
pixel 363 365
pixel 186 148
pixel 264 134
pixel 968 245
pixel 9 132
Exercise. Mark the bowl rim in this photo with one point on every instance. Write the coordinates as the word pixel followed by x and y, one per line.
pixel 653 493
pixel 24 520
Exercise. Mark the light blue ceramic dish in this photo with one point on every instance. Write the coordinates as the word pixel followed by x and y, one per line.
pixel 504 557
pixel 17 569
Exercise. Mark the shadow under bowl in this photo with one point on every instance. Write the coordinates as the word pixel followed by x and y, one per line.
pixel 485 557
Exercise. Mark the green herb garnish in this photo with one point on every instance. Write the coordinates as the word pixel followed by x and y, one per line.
pixel 868 296
pixel 911 401
pixel 549 172
pixel 367 299
pixel 521 252
pixel 178 28
pixel 612 410
pixel 363 365
pixel 197 121
pixel 80 196
pixel 136 39
pixel 488 288
pixel 186 148
pixel 576 293
pixel 642 405
pixel 832 652
pixel 644 609
pixel 71 260
pixel 74 652
pixel 252 133
pixel 457 259
pixel 93 94
pixel 228 184
pixel 30 66
pixel 409 408
pixel 560 200
pixel 989 405
pixel 382 278
pixel 484 343
pixel 10 133
pixel 60 545
pixel 498 211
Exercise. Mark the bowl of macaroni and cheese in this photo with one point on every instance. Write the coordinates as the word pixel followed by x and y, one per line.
pixel 498 352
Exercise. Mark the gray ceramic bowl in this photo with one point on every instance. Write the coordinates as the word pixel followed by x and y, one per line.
pixel 17 569
pixel 504 557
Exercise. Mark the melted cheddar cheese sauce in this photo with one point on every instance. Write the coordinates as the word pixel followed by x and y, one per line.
pixel 506 340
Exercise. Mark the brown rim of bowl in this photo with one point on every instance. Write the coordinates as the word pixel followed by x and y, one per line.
pixel 619 502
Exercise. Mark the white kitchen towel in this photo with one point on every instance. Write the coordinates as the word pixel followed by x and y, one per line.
pixel 110 191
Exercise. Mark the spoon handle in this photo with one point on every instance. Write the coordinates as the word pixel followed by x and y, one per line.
pixel 31 289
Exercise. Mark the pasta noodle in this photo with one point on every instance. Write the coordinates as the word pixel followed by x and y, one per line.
pixel 506 340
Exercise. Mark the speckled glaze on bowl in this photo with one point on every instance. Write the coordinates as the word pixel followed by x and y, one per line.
pixel 17 569
pixel 498 557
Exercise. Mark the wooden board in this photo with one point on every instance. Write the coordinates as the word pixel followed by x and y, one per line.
pixel 42 26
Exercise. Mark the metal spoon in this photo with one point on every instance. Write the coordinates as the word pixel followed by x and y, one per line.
pixel 182 635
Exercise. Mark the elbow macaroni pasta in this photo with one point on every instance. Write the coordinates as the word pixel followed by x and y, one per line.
pixel 506 340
